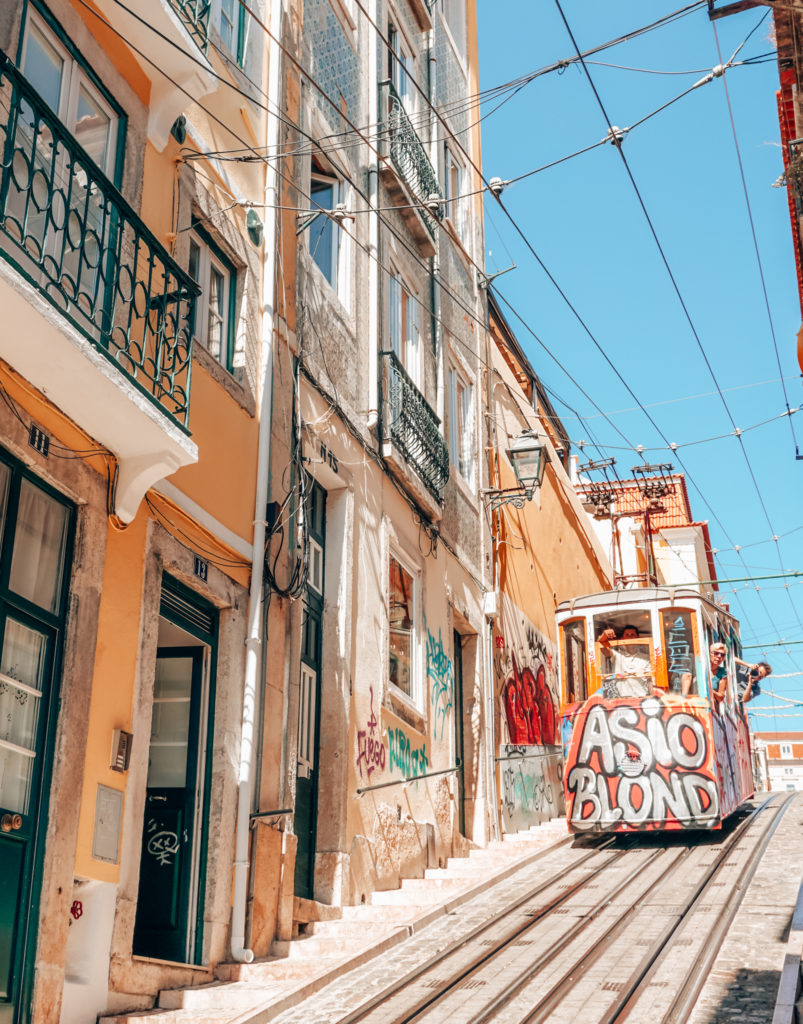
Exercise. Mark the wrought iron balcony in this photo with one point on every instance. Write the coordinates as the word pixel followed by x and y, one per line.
pixel 409 423
pixel 67 229
pixel 400 142
pixel 195 15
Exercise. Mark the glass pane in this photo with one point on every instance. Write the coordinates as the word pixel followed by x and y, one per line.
pixel 170 727
pixel 39 545
pixel 395 316
pixel 22 661
pixel 575 654
pixel 322 237
pixel 92 127
pixel 217 290
pixel 400 612
pixel 680 653
pixel 228 24
pixel 5 476
pixel 43 67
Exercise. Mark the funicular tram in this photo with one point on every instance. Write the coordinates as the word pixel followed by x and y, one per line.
pixel 652 737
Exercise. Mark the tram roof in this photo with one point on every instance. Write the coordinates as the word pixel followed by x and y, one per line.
pixel 641 595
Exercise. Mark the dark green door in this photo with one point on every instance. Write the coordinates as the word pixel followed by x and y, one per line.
pixel 457 715
pixel 35 531
pixel 309 699
pixel 163 924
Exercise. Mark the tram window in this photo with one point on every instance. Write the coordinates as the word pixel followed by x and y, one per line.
pixel 681 664
pixel 574 652
pixel 619 622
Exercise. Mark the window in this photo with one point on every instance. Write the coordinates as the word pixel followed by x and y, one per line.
pixel 65 85
pixel 405 337
pixel 679 634
pixel 461 425
pixel 575 687
pixel 326 191
pixel 231 24
pixel 400 69
pixel 455 14
pixel 402 617
pixel 786 750
pixel 455 178
pixel 213 316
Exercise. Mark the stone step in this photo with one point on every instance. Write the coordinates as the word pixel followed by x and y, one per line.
pixel 439 887
pixel 459 869
pixel 272 970
pixel 315 946
pixel 354 927
pixel 372 914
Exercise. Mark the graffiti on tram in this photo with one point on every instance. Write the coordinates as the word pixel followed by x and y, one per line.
pixel 649 764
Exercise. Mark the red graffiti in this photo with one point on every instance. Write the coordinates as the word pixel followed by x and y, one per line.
pixel 76 909
pixel 530 709
pixel 499 641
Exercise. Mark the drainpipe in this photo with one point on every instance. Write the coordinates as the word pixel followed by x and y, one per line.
pixel 254 640
pixel 373 241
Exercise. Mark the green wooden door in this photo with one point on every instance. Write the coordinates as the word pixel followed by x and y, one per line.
pixel 309 701
pixel 35 533
pixel 163 923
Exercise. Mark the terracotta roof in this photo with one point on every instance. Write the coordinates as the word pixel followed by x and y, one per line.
pixel 777 737
pixel 629 499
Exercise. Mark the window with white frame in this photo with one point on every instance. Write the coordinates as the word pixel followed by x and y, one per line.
pixel 786 750
pixel 325 236
pixel 454 190
pixel 213 317
pixel 401 68
pixel 64 83
pixel 405 335
pixel 403 597
pixel 461 425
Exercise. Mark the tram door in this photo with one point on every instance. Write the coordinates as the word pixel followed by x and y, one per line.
pixel 309 697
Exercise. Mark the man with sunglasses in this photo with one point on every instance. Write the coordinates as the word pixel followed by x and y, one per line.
pixel 719 674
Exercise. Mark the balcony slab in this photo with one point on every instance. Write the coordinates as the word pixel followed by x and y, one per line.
pixel 45 349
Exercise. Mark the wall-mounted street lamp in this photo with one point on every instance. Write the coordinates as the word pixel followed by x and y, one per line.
pixel 528 455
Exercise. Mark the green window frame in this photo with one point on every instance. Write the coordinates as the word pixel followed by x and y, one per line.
pixel 231 25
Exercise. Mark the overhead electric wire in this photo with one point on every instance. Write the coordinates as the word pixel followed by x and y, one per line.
pixel 753 227
pixel 672 276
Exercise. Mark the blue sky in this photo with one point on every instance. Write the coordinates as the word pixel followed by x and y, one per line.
pixel 584 220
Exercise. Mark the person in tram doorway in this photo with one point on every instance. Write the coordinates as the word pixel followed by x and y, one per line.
pixel 719 674
pixel 630 665
pixel 752 686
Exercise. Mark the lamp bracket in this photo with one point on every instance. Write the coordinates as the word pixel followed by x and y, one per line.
pixel 515 496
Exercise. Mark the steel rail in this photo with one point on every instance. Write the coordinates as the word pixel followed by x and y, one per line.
pixel 689 992
pixel 569 979
pixel 400 984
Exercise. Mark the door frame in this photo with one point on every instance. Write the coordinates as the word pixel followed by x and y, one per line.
pixel 26 927
pixel 188 610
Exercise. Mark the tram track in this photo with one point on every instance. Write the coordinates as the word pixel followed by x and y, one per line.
pixel 440 988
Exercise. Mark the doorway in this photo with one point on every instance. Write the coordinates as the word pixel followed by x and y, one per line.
pixel 36 527
pixel 309 697
pixel 169 918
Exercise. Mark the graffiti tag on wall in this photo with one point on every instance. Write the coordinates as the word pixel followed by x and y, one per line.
pixel 440 676
pixel 532 786
pixel 648 763
pixel 370 745
pixel 526 680
pixel 409 760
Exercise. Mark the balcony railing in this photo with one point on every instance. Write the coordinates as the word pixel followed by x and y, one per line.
pixel 402 144
pixel 411 425
pixel 195 15
pixel 67 229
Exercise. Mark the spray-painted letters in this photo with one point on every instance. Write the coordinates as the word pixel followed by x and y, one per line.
pixel 370 746
pixel 647 764
pixel 409 760
pixel 440 675
pixel 532 787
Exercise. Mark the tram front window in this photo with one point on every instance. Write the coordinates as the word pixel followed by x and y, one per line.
pixel 624 646
pixel 681 651
pixel 574 652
